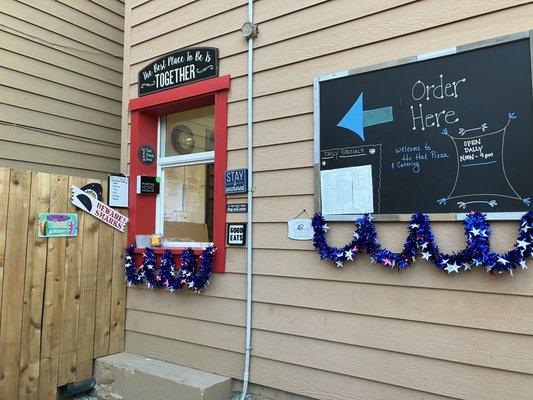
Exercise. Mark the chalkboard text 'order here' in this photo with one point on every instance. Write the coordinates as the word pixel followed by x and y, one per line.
pixel 424 94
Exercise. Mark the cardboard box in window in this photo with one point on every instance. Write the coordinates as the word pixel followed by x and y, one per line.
pixel 186 232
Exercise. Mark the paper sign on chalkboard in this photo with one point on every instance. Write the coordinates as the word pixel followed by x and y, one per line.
pixel 347 190
pixel 448 134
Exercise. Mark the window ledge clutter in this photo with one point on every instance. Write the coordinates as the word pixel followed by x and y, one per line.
pixel 165 275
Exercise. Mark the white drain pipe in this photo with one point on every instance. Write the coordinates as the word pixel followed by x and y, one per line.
pixel 249 31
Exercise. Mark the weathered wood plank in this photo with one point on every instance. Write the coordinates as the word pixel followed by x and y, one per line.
pixel 4 202
pixel 87 311
pixel 71 298
pixel 33 290
pixel 13 281
pixel 53 298
pixel 103 283
pixel 118 294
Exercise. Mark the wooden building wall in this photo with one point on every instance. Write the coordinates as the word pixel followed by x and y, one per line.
pixel 61 85
pixel 362 332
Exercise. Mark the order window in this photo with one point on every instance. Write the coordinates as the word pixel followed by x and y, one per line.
pixel 186 156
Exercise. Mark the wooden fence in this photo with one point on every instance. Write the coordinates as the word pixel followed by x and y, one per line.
pixel 62 300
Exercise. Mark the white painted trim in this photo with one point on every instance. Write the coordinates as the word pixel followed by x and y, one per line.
pixel 437 53
pixel 194 158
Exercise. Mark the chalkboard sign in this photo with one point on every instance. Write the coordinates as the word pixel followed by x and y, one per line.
pixel 146 154
pixel 445 134
pixel 179 68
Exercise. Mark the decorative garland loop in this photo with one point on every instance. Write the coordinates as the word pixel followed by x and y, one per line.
pixel 165 274
pixel 420 239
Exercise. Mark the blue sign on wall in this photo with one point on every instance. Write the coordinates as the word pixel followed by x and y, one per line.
pixel 236 181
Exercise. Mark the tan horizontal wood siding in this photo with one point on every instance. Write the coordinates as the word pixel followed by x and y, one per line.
pixel 362 332
pixel 61 85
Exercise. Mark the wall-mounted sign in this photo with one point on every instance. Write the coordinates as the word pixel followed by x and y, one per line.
pixel 179 68
pixel 146 154
pixel 232 208
pixel 94 189
pixel 118 188
pixel 97 209
pixel 236 181
pixel 148 184
pixel 58 225
pixel 449 132
pixel 300 229
pixel 236 235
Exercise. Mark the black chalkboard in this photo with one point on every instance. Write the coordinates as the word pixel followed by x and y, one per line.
pixel 448 134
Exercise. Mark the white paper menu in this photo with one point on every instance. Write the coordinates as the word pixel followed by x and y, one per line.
pixel 118 191
pixel 347 190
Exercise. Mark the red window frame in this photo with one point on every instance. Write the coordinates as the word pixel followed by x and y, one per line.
pixel 145 112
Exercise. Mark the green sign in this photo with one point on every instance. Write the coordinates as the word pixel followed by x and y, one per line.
pixel 58 224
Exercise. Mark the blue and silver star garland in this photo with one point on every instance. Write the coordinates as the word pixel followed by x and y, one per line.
pixel 165 274
pixel 421 240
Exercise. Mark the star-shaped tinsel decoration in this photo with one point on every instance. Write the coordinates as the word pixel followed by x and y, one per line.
pixel 453 268
pixel 349 255
pixel 522 244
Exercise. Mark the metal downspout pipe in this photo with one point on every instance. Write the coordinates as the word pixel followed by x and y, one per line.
pixel 249 241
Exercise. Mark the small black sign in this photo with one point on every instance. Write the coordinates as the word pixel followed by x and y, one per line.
pixel 179 68
pixel 237 208
pixel 147 185
pixel 237 234
pixel 146 154
pixel 236 181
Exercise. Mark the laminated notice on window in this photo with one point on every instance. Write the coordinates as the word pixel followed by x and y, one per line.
pixel 347 190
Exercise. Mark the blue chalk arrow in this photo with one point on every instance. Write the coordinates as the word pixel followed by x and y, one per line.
pixel 356 118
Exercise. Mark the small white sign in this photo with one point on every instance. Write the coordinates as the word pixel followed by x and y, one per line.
pixel 300 229
pixel 118 191
pixel 97 209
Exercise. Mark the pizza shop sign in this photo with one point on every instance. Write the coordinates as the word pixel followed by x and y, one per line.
pixel 179 68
